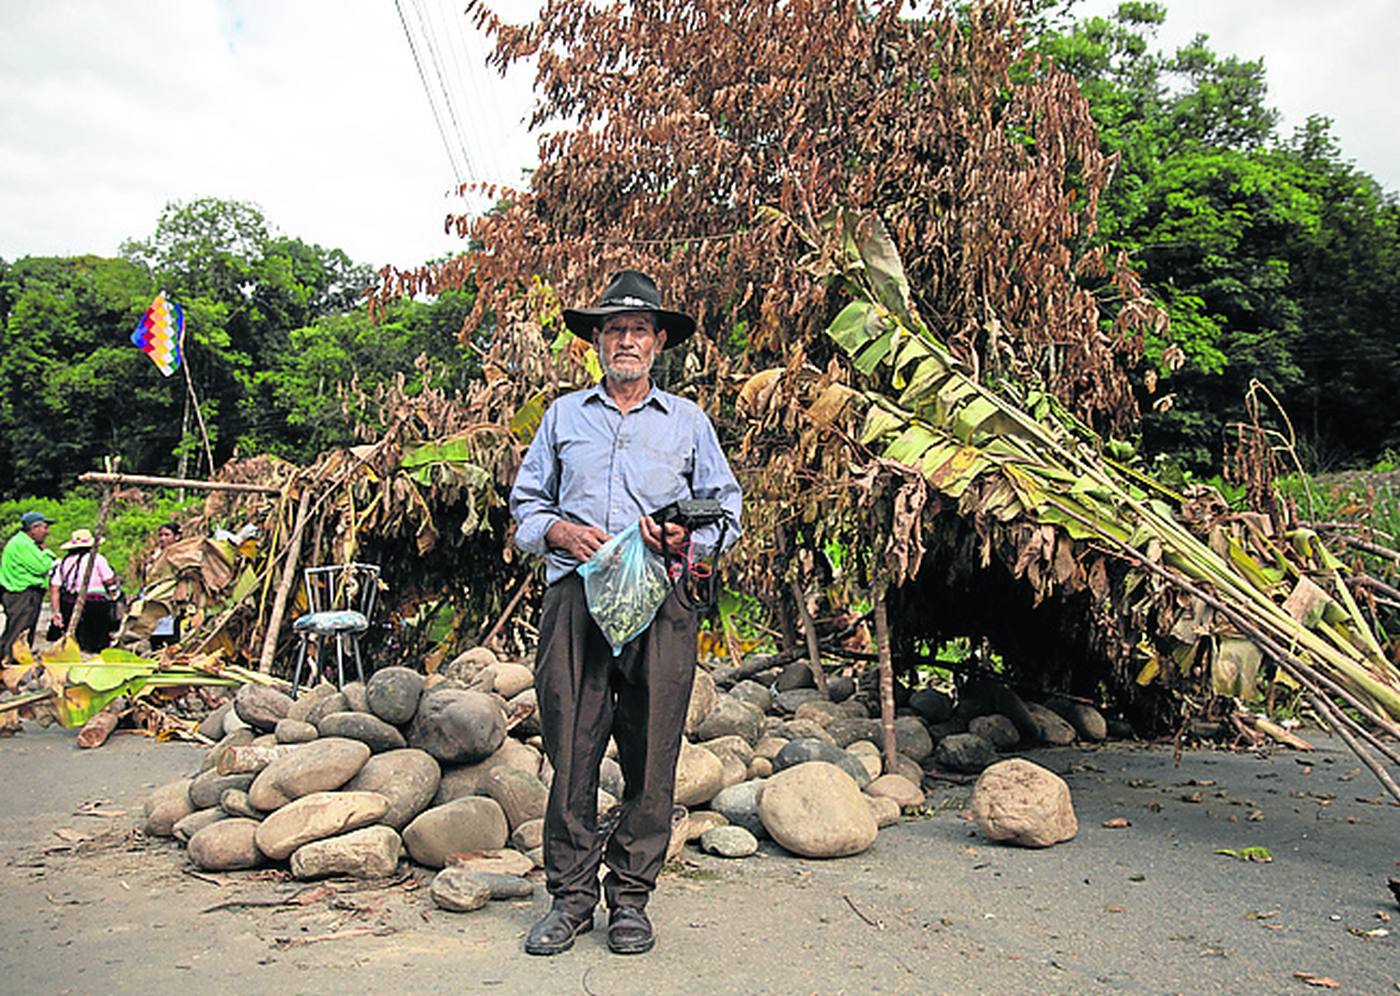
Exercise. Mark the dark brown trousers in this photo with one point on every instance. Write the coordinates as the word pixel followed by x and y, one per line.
pixel 21 614
pixel 640 699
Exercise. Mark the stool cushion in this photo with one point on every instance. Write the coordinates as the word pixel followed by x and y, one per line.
pixel 331 623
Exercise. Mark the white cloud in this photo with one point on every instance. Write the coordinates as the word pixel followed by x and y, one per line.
pixel 315 110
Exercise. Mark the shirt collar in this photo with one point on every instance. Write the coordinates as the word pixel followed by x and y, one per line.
pixel 655 396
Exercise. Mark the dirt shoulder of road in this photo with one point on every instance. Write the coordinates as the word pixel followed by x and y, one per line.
pixel 92 906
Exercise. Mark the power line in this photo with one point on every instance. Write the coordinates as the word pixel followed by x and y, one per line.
pixel 428 92
pixel 426 27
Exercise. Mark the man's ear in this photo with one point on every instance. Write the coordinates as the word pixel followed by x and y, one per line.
pixel 660 339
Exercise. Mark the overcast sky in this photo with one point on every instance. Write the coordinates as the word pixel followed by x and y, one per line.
pixel 315 110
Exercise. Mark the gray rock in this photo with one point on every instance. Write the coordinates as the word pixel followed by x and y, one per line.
pixel 699 775
pixel 908 768
pixel 809 749
pixel 965 752
pixel 261 706
pixel 521 795
pixel 840 688
pixel 323 707
pixel 355 697
pixel 370 852
pixel 794 675
pixel 457 727
pixel 738 804
pixel 473 823
pixel 816 810
pixel 996 729
pixel 212 726
pixel 305 701
pixel 1020 802
pixel 228 845
pixel 509 679
pixel 1048 728
pixel 528 836
pixel 233 723
pixel 320 766
pixel 467 665
pixel 195 822
pixel 912 738
pixel 819 711
pixel 501 886
pixel 977 697
pixel 392 694
pixel 315 817
pixel 1014 708
pixel 1121 729
pixel 208 787
pixel 898 788
pixel 753 693
pixel 703 696
pixel 235 803
pixel 848 731
pixel 948 727
pixel 799 729
pixel 364 727
pixel 729 842
pixel 934 706
pixel 166 806
pixel 295 731
pixel 1087 721
pixel 610 777
pixel 731 717
pixel 787 702
pixel 459 891
pixel 470 779
pixel 407 778
pixel 722 747
pixel 530 725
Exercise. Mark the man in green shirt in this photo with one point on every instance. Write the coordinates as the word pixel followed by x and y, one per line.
pixel 24 577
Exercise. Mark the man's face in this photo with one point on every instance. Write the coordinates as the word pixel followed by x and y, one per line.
pixel 628 345
pixel 39 532
pixel 164 537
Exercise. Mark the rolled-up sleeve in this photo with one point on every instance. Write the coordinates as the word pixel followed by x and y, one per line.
pixel 712 478
pixel 534 498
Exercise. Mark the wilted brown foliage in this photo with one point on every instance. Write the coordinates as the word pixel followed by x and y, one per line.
pixel 669 128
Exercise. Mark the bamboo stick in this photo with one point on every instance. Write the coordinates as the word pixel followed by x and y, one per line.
pixel 284 587
pixel 94 477
pixel 102 509
pixel 886 666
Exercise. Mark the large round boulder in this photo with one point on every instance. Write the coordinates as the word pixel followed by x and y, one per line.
pixel 810 749
pixel 261 706
pixel 166 806
pixel 407 778
pixel 470 779
pixel 319 766
pixel 731 717
pixel 370 852
pixel 474 823
pixel 458 727
pixel 699 775
pixel 816 810
pixel 365 727
pixel 228 845
pixel 1020 802
pixel 392 694
pixel 317 816
pixel 703 696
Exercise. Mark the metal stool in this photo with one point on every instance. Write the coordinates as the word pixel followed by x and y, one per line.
pixel 340 601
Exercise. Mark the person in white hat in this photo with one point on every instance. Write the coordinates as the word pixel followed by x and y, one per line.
pixel 95 627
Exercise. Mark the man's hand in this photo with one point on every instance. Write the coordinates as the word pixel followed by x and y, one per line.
pixel 676 535
pixel 581 541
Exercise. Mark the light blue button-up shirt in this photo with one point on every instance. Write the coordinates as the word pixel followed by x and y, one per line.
pixel 591 464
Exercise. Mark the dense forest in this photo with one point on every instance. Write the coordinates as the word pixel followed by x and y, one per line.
pixel 1274 257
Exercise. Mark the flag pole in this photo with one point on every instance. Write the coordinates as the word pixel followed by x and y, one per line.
pixel 194 399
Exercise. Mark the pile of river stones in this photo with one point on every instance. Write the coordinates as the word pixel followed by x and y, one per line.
pixel 343 782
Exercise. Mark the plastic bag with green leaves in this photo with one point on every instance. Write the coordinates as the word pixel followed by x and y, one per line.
pixel 625 583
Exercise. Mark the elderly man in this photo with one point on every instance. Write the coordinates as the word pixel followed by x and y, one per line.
pixel 602 459
pixel 24 577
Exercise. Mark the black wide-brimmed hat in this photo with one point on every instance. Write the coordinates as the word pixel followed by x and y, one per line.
pixel 628 291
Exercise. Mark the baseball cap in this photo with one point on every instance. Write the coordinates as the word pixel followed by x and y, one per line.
pixel 30 518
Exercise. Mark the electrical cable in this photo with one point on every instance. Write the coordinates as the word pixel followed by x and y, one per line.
pixel 427 90
pixel 429 38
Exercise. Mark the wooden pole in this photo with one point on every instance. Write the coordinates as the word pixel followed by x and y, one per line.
pixel 102 509
pixel 93 477
pixel 284 587
pixel 886 666
pixel 194 399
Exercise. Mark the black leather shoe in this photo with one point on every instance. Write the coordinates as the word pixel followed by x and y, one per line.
pixel 556 931
pixel 629 931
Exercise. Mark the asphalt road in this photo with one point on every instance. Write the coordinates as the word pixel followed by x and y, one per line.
pixel 91 907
